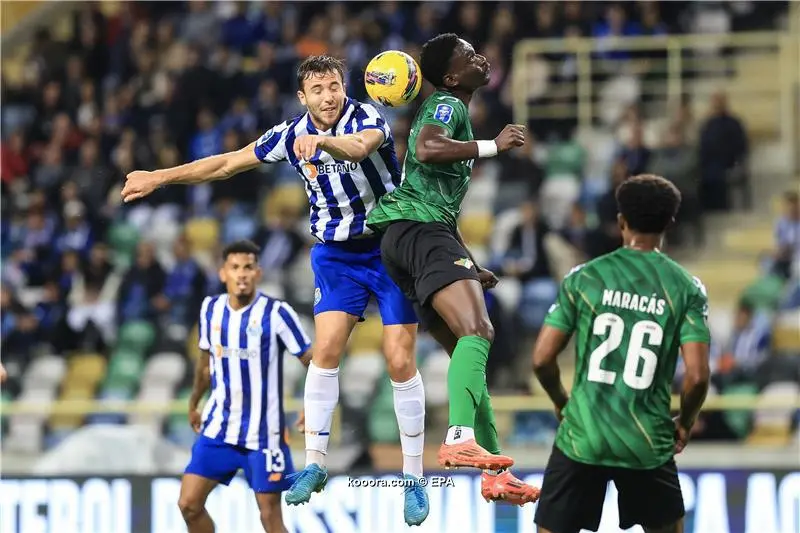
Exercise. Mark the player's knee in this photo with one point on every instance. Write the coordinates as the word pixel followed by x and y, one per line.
pixel 327 353
pixel 191 509
pixel 400 362
pixel 480 327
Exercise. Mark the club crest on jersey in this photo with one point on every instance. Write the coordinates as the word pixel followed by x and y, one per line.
pixel 464 262
pixel 443 113
pixel 254 330
pixel 317 295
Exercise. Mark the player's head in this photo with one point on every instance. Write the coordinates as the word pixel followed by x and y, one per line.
pixel 449 62
pixel 320 88
pixel 240 271
pixel 647 205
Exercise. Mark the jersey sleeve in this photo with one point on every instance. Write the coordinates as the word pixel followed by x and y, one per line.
pixel 290 331
pixel 271 147
pixel 368 118
pixel 447 113
pixel 563 313
pixel 204 343
pixel 695 322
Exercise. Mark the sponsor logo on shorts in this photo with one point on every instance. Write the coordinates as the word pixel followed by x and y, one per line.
pixel 464 262
pixel 317 295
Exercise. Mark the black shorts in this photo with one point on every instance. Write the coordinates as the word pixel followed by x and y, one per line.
pixel 422 258
pixel 573 494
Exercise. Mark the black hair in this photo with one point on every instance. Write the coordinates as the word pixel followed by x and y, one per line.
pixel 241 247
pixel 316 65
pixel 648 202
pixel 434 60
pixel 791 197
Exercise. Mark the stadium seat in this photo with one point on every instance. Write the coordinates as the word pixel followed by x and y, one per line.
pixel 85 370
pixel 137 335
pixel 476 228
pixel 164 368
pixel 203 234
pixel 72 392
pixel 382 420
pixel 770 425
pixel 125 367
pixel 740 421
pixel 786 333
pixel 367 337
pixel 45 371
pixel 359 375
pixel 434 375
pixel 155 394
pixel 123 239
pixel 111 391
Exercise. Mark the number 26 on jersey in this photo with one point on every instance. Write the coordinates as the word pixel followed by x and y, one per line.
pixel 644 334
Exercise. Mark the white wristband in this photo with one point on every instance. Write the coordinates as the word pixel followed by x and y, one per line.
pixel 486 148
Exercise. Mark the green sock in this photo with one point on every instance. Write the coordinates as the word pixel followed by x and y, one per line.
pixel 485 428
pixel 466 379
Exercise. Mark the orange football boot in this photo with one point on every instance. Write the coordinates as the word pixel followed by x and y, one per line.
pixel 507 488
pixel 469 454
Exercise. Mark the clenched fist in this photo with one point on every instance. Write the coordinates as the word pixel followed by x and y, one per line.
pixel 512 136
pixel 305 147
pixel 139 184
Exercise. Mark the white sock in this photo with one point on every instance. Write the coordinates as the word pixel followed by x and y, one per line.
pixel 409 407
pixel 459 434
pixel 321 396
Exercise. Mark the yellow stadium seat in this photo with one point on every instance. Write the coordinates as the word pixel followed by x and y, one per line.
pixel 192 350
pixel 202 233
pixel 71 393
pixel 85 370
pixel 288 199
pixel 476 228
pixel 367 337
pixel 786 338
pixel 770 436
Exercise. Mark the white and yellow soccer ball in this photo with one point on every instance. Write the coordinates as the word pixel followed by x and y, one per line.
pixel 393 78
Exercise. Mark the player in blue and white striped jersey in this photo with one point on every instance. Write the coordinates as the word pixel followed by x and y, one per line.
pixel 344 152
pixel 243 337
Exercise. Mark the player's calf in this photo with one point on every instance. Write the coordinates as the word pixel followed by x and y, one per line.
pixel 269 506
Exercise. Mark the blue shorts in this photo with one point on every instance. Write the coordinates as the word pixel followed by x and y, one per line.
pixel 264 470
pixel 346 274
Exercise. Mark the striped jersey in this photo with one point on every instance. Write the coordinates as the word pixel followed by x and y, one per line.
pixel 341 193
pixel 246 365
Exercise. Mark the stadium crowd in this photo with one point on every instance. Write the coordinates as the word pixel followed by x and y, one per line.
pixel 160 83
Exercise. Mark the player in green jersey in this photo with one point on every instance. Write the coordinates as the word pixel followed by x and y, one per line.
pixel 425 255
pixel 631 312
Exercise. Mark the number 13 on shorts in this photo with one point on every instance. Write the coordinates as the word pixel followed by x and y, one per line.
pixel 275 460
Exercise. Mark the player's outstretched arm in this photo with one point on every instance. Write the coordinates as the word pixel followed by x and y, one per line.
pixel 354 147
pixel 435 146
pixel 695 387
pixel 201 384
pixel 549 344
pixel 141 183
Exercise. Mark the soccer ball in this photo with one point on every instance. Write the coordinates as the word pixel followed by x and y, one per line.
pixel 393 78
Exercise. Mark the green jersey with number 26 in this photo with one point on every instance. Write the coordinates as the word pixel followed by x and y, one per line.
pixel 629 311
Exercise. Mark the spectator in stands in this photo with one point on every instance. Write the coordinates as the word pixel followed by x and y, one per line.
pixel 13 159
pixel 18 326
pixel 615 24
pixel 787 235
pixel 576 232
pixel 141 287
pixel 634 152
pixel 184 289
pixel 607 236
pixel 77 233
pixel 723 147
pixel 676 161
pixel 747 349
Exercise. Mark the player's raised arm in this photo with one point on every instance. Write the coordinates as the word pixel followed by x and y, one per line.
pixel 371 133
pixel 267 149
pixel 434 144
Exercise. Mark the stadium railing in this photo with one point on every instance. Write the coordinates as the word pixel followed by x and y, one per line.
pixel 589 81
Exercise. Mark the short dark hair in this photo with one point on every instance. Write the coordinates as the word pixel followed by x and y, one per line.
pixel 791 196
pixel 648 202
pixel 434 60
pixel 241 247
pixel 323 64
